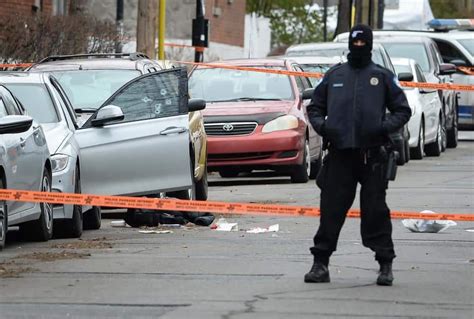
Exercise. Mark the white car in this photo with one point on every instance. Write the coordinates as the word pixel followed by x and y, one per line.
pixel 24 165
pixel 424 124
pixel 317 64
pixel 43 98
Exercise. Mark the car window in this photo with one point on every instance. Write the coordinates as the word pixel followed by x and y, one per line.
pixel 155 95
pixel 436 55
pixel 63 98
pixel 3 109
pixel 37 101
pixel 449 52
pixel 419 74
pixel 378 59
pixel 217 85
pixel 317 68
pixel 415 51
pixel 9 102
pixel 298 79
pixel 468 44
pixel 88 89
pixel 402 68
pixel 304 80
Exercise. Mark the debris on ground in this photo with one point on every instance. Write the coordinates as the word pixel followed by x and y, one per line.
pixel 94 243
pixel 258 230
pixel 155 231
pixel 223 225
pixel 427 226
pixel 118 223
pixel 10 269
pixel 53 256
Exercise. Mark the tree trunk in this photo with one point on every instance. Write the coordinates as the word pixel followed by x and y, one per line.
pixel 343 17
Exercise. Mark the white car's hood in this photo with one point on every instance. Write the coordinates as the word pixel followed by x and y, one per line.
pixel 55 134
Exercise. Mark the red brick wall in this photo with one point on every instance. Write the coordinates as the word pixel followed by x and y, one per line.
pixel 10 7
pixel 229 26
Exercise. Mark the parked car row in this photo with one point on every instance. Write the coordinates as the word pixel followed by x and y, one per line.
pixel 106 125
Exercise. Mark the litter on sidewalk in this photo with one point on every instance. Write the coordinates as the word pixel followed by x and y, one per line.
pixel 258 230
pixel 223 225
pixel 427 226
pixel 155 231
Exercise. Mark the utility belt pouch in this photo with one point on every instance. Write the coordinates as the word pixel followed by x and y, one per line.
pixel 391 172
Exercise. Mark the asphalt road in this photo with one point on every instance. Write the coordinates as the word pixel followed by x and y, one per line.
pixel 200 273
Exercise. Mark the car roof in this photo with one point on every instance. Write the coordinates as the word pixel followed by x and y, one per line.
pixel 316 59
pixel 21 77
pixel 254 62
pixel 318 45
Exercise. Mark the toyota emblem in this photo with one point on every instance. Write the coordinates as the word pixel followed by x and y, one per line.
pixel 228 127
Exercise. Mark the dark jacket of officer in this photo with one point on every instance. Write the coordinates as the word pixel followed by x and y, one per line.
pixel 349 106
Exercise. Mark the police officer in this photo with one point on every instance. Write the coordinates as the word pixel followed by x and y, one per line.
pixel 349 110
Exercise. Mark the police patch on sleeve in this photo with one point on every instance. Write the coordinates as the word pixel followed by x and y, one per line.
pixel 374 81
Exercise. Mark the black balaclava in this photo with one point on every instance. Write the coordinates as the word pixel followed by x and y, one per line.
pixel 360 56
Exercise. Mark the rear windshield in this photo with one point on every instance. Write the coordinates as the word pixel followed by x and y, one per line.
pixel 88 89
pixel 219 85
pixel 36 100
pixel 415 51
pixel 319 68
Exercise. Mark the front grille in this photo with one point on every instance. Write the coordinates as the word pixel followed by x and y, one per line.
pixel 231 128
pixel 239 156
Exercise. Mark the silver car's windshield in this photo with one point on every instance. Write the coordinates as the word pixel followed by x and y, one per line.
pixel 36 100
pixel 468 44
pixel 219 85
pixel 415 51
pixel 88 89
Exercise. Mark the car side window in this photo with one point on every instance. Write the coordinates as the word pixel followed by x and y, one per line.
pixel 154 95
pixel 299 80
pixel 419 74
pixel 3 109
pixel 449 52
pixel 9 102
pixel 306 82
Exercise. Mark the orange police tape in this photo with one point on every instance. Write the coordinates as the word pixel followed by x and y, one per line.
pixel 16 65
pixel 196 206
pixel 438 86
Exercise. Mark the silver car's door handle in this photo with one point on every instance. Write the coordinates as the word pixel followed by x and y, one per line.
pixel 173 130
pixel 22 142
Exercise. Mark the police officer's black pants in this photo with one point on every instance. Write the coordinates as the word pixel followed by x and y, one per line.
pixel 341 172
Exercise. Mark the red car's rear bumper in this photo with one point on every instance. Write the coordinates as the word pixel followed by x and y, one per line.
pixel 258 150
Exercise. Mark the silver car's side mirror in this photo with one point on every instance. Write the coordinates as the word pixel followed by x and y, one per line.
pixel 405 76
pixel 109 113
pixel 13 124
pixel 196 105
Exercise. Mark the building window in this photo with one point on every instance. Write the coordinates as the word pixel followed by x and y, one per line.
pixel 60 7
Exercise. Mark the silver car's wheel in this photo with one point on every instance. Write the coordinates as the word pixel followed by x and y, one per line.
pixel 3 221
pixel 42 228
pixel 418 151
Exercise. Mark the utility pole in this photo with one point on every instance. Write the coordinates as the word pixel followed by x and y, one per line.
pixel 380 10
pixel 200 32
pixel 146 27
pixel 161 30
pixel 119 24
pixel 325 19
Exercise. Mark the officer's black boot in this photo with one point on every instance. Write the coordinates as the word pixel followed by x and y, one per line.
pixel 385 277
pixel 319 273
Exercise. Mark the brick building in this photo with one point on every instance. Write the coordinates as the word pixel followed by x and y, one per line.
pixel 226 20
pixel 29 7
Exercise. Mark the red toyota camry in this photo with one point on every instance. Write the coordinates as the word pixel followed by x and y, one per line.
pixel 257 121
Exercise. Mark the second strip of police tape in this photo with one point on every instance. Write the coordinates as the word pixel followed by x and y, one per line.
pixel 169 204
pixel 426 85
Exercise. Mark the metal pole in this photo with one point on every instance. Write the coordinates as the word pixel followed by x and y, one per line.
pixel 380 9
pixel 371 14
pixel 198 54
pixel 325 19
pixel 162 29
pixel 119 24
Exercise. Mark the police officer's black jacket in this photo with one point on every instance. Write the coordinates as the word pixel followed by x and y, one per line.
pixel 349 106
